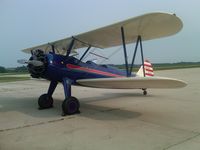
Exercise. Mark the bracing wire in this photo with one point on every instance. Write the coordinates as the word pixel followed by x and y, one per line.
pixel 92 50
pixel 112 54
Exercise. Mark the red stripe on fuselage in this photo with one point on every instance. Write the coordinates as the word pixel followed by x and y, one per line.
pixel 75 67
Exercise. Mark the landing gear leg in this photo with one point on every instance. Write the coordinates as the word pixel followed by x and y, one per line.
pixel 45 100
pixel 144 91
pixel 71 104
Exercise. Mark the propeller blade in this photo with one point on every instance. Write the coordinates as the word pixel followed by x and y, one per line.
pixel 36 63
pixel 22 61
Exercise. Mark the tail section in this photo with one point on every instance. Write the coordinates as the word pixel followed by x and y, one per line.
pixel 148 70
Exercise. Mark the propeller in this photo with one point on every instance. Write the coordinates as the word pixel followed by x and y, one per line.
pixel 35 63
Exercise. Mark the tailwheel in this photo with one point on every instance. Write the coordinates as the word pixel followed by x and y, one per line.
pixel 70 106
pixel 144 91
pixel 45 101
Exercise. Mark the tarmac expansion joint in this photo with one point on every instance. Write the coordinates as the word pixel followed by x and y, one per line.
pixel 183 141
pixel 31 125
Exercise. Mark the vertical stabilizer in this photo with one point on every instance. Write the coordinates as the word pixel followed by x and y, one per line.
pixel 148 70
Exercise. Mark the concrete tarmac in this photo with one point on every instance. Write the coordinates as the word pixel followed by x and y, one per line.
pixel 109 119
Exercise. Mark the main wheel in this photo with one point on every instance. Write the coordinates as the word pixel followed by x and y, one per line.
pixel 45 101
pixel 144 92
pixel 70 106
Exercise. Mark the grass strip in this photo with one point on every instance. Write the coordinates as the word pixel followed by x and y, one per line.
pixel 12 79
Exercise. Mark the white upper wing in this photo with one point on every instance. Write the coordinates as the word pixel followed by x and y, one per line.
pixel 148 26
pixel 133 83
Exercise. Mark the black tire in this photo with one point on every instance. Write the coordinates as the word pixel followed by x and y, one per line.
pixel 45 101
pixel 70 106
pixel 144 92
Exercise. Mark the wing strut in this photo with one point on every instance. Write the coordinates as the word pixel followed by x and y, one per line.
pixel 134 55
pixel 142 55
pixel 53 48
pixel 70 47
pixel 125 52
pixel 139 41
pixel 85 53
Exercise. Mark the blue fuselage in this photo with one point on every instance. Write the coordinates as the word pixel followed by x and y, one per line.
pixel 60 67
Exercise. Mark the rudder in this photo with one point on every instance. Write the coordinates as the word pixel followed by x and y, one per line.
pixel 148 70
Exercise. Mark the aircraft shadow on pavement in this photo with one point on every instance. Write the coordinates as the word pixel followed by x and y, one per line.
pixel 118 95
pixel 88 109
pixel 26 106
pixel 108 112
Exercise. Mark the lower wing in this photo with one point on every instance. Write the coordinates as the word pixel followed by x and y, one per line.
pixel 133 83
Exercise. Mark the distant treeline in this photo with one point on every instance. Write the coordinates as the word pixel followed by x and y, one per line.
pixel 157 66
pixel 165 66
pixel 176 65
pixel 22 69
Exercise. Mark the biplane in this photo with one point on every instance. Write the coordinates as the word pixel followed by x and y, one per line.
pixel 54 61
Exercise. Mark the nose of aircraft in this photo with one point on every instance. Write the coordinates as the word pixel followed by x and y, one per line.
pixel 37 64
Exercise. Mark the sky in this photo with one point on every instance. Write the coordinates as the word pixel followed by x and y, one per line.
pixel 27 23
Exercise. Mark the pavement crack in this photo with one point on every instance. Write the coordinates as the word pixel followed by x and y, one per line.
pixel 167 126
pixel 31 125
pixel 108 110
pixel 181 142
pixel 196 134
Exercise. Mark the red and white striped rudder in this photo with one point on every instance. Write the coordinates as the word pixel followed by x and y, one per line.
pixel 148 70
